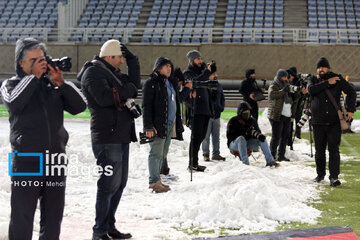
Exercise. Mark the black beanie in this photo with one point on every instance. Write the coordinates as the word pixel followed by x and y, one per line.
pixel 322 62
pixel 22 45
pixel 161 61
pixel 294 70
pixel 249 72
pixel 243 106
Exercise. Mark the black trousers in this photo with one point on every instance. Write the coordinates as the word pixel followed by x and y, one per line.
pixel 198 132
pixel 25 192
pixel 280 134
pixel 327 136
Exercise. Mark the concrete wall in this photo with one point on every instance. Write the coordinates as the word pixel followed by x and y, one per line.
pixel 232 60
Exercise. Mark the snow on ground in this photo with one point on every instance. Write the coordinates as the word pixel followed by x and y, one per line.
pixel 228 195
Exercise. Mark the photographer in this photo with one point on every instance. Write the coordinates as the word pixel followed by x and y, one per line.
pixel 200 105
pixel 36 99
pixel 162 120
pixel 325 89
pixel 248 88
pixel 282 99
pixel 109 93
pixel 243 134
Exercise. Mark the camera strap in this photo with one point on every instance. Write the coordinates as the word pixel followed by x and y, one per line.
pixel 102 65
pixel 332 99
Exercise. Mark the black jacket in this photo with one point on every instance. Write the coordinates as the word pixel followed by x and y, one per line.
pixel 109 123
pixel 238 127
pixel 323 111
pixel 219 103
pixel 247 87
pixel 155 106
pixel 36 112
pixel 203 104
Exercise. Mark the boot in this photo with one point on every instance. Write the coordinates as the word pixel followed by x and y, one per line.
pixel 334 182
pixel 206 157
pixel 115 234
pixel 158 187
pixel 198 168
pixel 318 178
pixel 218 158
pixel 102 237
pixel 272 164
pixel 283 158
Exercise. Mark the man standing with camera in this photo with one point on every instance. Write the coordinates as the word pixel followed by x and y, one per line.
pixel 325 90
pixel 248 88
pixel 162 120
pixel 243 134
pixel 110 96
pixel 282 99
pixel 202 107
pixel 36 99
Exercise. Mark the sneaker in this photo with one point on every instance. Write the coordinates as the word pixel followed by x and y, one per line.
pixel 102 237
pixel 206 157
pixel 218 158
pixel 115 234
pixel 318 178
pixel 280 159
pixel 272 164
pixel 198 168
pixel 169 178
pixel 334 182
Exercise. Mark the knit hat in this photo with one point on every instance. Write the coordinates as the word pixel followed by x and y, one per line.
pixel 281 73
pixel 193 54
pixel 249 72
pixel 294 70
pixel 24 44
pixel 160 62
pixel 322 62
pixel 243 106
pixel 111 47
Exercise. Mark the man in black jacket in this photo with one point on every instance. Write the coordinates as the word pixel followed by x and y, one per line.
pixel 36 102
pixel 243 134
pixel 162 120
pixel 109 93
pixel 248 88
pixel 325 119
pixel 202 107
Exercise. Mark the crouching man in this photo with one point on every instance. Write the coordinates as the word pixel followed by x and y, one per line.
pixel 243 134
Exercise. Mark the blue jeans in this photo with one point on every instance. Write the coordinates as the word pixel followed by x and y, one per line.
pixel 241 145
pixel 214 130
pixel 159 149
pixel 110 188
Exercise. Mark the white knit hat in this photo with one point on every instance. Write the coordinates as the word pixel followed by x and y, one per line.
pixel 111 47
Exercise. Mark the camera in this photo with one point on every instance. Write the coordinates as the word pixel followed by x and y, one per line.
pixel 144 139
pixel 294 89
pixel 302 121
pixel 256 134
pixel 209 84
pixel 63 63
pixel 213 66
pixel 134 108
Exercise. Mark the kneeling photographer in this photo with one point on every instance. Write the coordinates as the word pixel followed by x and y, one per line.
pixel 110 96
pixel 243 134
pixel 200 105
pixel 162 120
pixel 282 106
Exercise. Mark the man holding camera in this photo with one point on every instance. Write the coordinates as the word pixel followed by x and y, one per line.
pixel 162 120
pixel 325 90
pixel 202 107
pixel 243 134
pixel 282 99
pixel 36 99
pixel 110 96
pixel 249 89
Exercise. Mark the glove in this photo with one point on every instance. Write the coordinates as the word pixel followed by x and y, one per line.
pixel 262 138
pixel 179 75
pixel 286 88
pixel 125 51
pixel 213 67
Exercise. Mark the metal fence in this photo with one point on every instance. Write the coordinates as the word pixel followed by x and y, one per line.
pixel 178 35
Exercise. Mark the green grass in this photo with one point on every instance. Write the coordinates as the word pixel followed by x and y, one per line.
pixel 340 206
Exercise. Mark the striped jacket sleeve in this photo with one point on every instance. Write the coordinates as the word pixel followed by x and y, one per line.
pixel 16 92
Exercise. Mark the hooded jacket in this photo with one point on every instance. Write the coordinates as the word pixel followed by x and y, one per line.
pixel 109 123
pixel 322 109
pixel 155 103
